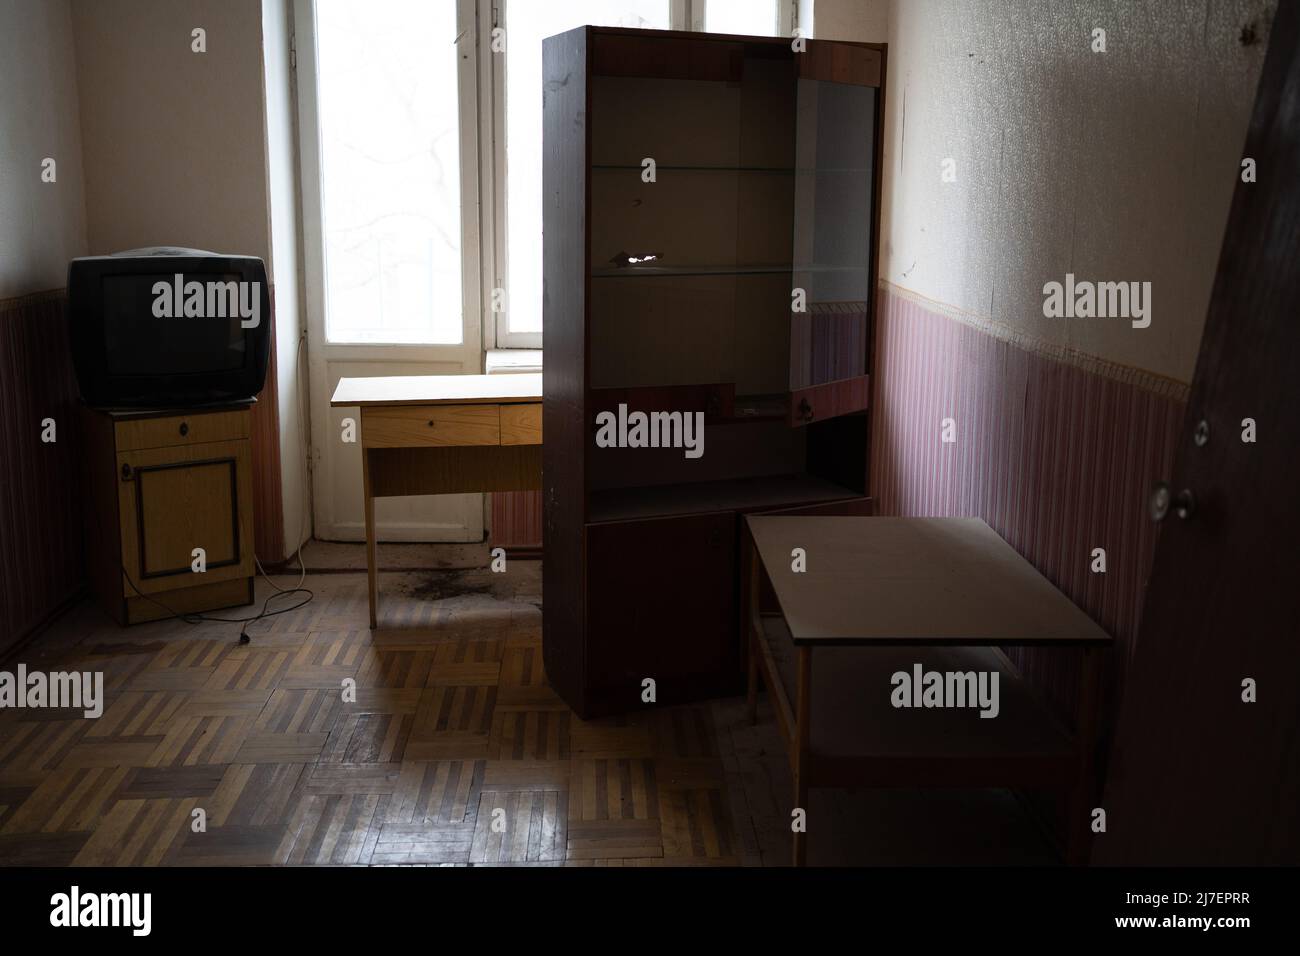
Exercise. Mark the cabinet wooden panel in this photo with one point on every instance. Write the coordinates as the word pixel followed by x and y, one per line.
pixel 433 425
pixel 173 500
pixel 167 431
pixel 842 63
pixel 661 605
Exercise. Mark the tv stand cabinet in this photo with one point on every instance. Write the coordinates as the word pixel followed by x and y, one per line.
pixel 157 485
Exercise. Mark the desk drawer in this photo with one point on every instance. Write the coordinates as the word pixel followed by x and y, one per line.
pixel 521 424
pixel 416 426
pixel 135 434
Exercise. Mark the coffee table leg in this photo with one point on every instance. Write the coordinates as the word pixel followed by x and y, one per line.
pixel 751 698
pixel 1077 832
pixel 750 625
pixel 370 536
pixel 801 738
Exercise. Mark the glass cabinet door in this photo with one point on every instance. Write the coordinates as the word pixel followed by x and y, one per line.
pixel 833 272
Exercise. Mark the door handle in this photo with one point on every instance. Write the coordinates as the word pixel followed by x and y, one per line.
pixel 1162 499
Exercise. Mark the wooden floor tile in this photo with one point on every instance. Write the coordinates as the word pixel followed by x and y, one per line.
pixel 232 846
pixel 518 826
pixel 337 828
pixel 613 839
pixel 604 789
pixel 256 795
pixel 137 833
pixel 200 739
pixel 41 849
pixel 695 824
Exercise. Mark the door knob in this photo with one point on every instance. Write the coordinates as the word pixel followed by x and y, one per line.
pixel 1163 498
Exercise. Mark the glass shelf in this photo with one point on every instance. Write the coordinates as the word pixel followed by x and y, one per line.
pixel 649 272
pixel 736 494
pixel 671 167
pixel 713 168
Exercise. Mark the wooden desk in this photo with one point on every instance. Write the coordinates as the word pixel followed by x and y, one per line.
pixel 880 595
pixel 443 435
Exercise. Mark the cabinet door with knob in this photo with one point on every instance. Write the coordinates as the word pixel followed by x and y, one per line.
pixel 175 500
pixel 661 606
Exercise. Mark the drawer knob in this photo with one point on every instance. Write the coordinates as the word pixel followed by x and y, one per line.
pixel 185 429
pixel 430 422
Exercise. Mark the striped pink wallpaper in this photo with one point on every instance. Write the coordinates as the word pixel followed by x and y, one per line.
pixel 40 496
pixel 1056 456
pixel 41 549
pixel 517 521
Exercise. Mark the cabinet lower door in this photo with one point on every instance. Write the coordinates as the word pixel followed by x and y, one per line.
pixel 661 605
pixel 173 501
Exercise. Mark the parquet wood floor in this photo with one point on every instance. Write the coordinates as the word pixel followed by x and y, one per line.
pixel 454 752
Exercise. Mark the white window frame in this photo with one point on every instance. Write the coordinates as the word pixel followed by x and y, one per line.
pixel 483 177
pixel 467 355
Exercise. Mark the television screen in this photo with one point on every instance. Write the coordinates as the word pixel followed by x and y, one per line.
pixel 137 342
pixel 166 327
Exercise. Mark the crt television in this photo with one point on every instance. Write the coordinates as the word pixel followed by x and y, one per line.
pixel 166 327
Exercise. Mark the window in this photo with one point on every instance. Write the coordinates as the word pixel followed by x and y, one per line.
pixel 527 25
pixel 427 227
pixel 743 17
pixel 390 171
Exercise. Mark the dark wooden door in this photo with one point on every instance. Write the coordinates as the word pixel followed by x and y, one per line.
pixel 661 604
pixel 1200 776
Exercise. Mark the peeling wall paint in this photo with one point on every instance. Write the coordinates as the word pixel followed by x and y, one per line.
pixel 1114 166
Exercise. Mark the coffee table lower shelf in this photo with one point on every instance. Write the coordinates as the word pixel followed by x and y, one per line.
pixel 841 729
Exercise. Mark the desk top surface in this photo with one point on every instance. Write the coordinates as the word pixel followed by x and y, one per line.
pixel 437 389
pixel 917 581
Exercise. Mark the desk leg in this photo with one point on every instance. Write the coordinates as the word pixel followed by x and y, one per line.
pixel 749 625
pixel 371 567
pixel 1078 830
pixel 802 714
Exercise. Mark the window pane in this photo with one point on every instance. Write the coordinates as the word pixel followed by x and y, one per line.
pixel 755 18
pixel 528 22
pixel 390 170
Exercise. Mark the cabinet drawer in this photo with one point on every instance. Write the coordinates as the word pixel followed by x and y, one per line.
pixel 521 424
pixel 172 430
pixel 415 426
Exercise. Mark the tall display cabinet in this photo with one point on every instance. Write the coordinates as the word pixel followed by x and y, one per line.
pixel 710 245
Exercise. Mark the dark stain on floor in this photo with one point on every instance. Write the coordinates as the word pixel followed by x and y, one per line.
pixel 462 583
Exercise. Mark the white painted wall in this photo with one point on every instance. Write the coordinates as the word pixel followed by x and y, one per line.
pixel 174 141
pixel 863 21
pixel 1112 166
pixel 42 225
pixel 195 149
